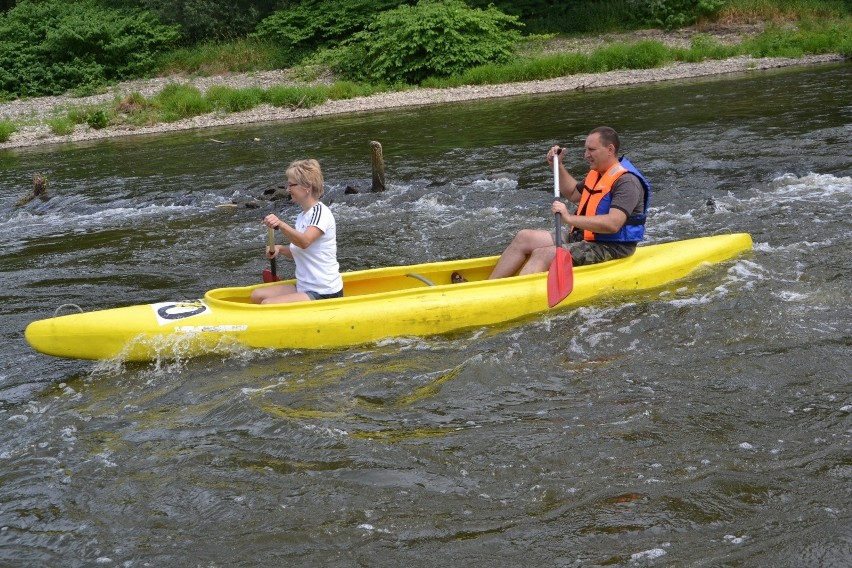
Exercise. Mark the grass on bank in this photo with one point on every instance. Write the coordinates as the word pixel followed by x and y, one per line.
pixel 7 128
pixel 216 58
pixel 178 101
pixel 181 101
pixel 809 38
pixel 779 11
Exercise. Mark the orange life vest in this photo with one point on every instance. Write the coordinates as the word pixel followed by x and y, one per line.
pixel 595 199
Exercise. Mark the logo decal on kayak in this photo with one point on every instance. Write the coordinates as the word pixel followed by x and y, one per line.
pixel 169 312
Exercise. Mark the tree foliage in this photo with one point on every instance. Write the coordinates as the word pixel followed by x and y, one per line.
pixel 206 20
pixel 304 27
pixel 433 38
pixel 50 46
pixel 594 16
pixel 671 14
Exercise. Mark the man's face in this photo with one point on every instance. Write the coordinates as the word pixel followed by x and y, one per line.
pixel 598 155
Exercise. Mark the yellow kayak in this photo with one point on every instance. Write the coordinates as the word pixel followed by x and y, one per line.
pixel 399 301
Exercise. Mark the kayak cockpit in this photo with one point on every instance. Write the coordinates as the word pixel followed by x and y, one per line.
pixel 382 280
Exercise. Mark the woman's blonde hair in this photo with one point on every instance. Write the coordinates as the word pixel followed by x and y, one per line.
pixel 307 173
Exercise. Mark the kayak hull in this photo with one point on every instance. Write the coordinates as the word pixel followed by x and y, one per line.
pixel 400 301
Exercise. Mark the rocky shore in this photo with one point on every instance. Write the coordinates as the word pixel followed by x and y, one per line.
pixel 36 132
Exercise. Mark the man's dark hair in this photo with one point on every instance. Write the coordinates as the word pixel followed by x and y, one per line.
pixel 608 136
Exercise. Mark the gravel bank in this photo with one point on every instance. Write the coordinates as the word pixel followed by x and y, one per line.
pixel 34 110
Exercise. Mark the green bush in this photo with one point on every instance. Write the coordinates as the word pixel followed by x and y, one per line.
pixel 50 46
pixel 586 17
pixel 670 14
pixel 304 27
pixel 98 119
pixel 205 20
pixel 95 117
pixel 601 16
pixel 433 38
pixel 7 128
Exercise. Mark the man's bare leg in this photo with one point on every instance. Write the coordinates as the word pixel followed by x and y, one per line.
pixel 540 260
pixel 521 247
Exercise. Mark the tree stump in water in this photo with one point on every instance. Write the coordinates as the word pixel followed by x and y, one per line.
pixel 39 190
pixel 378 166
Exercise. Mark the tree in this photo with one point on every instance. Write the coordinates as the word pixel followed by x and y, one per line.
pixel 50 46
pixel 202 20
pixel 433 38
pixel 304 27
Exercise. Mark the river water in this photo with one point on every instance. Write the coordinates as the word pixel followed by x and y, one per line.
pixel 707 424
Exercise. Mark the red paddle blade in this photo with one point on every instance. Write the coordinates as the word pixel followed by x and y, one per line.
pixel 269 277
pixel 560 277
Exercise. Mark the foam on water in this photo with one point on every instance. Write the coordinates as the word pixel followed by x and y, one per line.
pixel 496 184
pixel 812 186
pixel 790 189
pixel 26 224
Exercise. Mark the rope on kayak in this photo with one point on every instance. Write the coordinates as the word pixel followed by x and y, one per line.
pixel 56 311
pixel 421 278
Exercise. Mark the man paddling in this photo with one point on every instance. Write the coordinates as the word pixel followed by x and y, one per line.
pixel 610 218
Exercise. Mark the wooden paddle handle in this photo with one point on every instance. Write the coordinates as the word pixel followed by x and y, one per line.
pixel 271 239
pixel 273 269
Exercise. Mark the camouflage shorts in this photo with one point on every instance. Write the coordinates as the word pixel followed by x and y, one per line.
pixel 590 252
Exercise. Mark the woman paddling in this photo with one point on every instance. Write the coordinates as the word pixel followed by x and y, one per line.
pixel 313 242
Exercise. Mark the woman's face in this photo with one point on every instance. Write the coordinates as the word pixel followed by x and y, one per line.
pixel 298 193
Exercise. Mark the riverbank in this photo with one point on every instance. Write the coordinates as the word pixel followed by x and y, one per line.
pixel 36 132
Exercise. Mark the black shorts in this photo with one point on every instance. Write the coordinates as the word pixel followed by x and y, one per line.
pixel 318 296
pixel 591 252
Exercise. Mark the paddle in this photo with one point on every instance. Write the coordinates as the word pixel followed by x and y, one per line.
pixel 560 276
pixel 270 274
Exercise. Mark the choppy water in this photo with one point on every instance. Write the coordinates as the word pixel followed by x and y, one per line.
pixel 704 425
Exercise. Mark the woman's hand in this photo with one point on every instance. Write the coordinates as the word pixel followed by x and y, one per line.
pixel 279 250
pixel 271 221
pixel 273 253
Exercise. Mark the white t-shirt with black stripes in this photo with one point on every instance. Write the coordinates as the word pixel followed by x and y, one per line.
pixel 317 269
